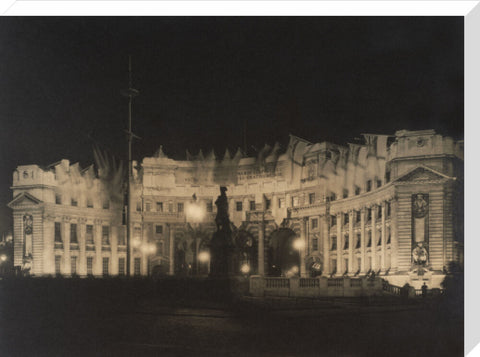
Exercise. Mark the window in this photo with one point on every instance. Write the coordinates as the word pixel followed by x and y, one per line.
pixel 58 259
pixel 359 263
pixel 180 207
pixel 387 209
pixel 314 223
pixel 359 241
pixel 357 190
pixel 239 206
pixel 89 203
pixel 73 233
pixel 74 202
pixel 170 207
pixel 136 266
pixel 369 214
pixel 333 267
pixel 139 206
pixel 137 233
pixel 105 235
pixel 379 211
pixel 389 237
pixel 346 243
pixel 89 265
pixel 159 206
pixel 160 247
pixel 333 196
pixel 105 266
pixel 121 237
pixel 387 176
pixel 315 244
pixel 121 266
pixel 281 203
pixel 148 206
pixel 311 198
pixel 358 216
pixel 333 219
pixel 379 239
pixel 159 229
pixel 58 232
pixel 369 244
pixel 268 203
pixel 252 205
pixel 106 204
pixel 345 193
pixel 346 218
pixel 369 185
pixel 333 245
pixel 58 199
pixel 295 201
pixel 73 263
pixel 89 234
pixel 209 206
pixel 379 183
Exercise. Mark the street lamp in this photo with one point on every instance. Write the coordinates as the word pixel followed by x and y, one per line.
pixel 195 213
pixel 298 244
pixel 204 257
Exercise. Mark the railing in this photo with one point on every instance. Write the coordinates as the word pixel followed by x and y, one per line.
pixel 356 283
pixel 275 283
pixel 309 283
pixel 396 290
pixel 337 283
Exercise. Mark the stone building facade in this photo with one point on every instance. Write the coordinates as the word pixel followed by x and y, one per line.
pixel 393 206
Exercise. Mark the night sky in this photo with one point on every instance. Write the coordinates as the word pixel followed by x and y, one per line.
pixel 200 79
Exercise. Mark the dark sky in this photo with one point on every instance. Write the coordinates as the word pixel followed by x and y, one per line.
pixel 321 78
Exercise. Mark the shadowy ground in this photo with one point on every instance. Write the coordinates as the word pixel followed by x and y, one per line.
pixel 113 317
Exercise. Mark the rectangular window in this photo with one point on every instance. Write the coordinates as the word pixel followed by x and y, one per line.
pixel 239 205
pixel 73 233
pixel 369 244
pixel 314 223
pixel 389 237
pixel 137 233
pixel 345 193
pixel 346 218
pixel 359 241
pixel 105 266
pixel 387 176
pixel 58 232
pixel 252 205
pixel 346 244
pixel 58 199
pixel 106 204
pixel 180 207
pixel 170 207
pixel 388 209
pixel 311 198
pixel 148 206
pixel 379 240
pixel 369 214
pixel 333 245
pixel 73 263
pixel 89 203
pixel 358 215
pixel 315 244
pixel 333 219
pixel 209 206
pixel 136 266
pixel 369 186
pixel 333 267
pixel 89 265
pixel 105 235
pixel 295 201
pixel 74 202
pixel 159 206
pixel 357 190
pixel 379 183
pixel 159 229
pixel 333 197
pixel 139 206
pixel 58 259
pixel 379 210
pixel 281 203
pixel 121 266
pixel 268 204
pixel 89 234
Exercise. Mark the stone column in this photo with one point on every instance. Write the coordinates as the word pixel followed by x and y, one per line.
pixel 82 259
pixel 351 238
pixel 394 235
pixel 144 252
pixel 261 248
pixel 66 246
pixel 171 248
pixel 374 238
pixel 363 242
pixel 48 245
pixel 326 246
pixel 339 244
pixel 97 239
pixel 303 230
pixel 114 249
pixel 384 240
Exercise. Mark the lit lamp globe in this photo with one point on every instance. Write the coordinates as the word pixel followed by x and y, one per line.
pixel 245 269
pixel 136 243
pixel 195 213
pixel 204 257
pixel 298 244
pixel 3 257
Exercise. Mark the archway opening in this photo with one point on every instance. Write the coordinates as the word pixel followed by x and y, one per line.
pixel 283 259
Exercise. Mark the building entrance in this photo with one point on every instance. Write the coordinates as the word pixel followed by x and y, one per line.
pixel 283 259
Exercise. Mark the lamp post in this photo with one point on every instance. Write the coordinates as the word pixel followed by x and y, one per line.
pixel 299 244
pixel 195 214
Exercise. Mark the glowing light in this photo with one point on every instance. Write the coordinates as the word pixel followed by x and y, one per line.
pixel 204 256
pixel 195 213
pixel 152 249
pixel 3 257
pixel 294 269
pixel 298 244
pixel 245 268
pixel 144 248
pixel 136 243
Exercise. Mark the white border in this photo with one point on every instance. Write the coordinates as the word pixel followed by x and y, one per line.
pixel 469 9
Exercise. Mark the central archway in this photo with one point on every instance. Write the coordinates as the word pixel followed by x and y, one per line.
pixel 283 258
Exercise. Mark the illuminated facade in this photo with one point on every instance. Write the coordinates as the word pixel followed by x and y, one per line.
pixel 393 206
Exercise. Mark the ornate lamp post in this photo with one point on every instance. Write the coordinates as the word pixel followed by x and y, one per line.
pixel 195 213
